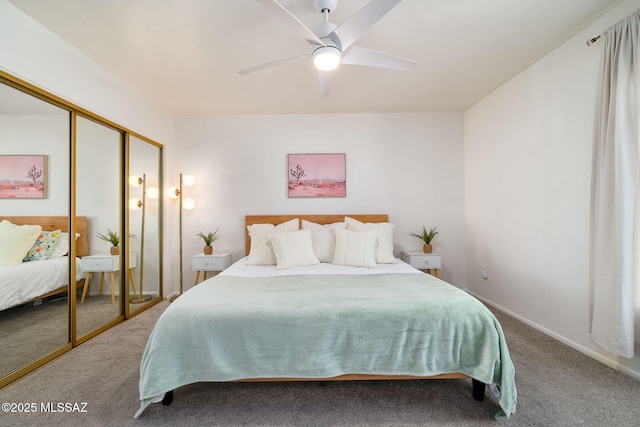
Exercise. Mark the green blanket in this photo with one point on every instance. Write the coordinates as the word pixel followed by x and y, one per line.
pixel 231 328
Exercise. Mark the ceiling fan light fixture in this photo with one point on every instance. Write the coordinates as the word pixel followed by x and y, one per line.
pixel 326 58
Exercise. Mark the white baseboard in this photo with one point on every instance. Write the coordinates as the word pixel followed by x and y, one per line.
pixel 579 347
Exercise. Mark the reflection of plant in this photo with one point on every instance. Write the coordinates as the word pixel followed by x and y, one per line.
pixel 112 237
pixel 34 174
pixel 298 172
pixel 210 237
pixel 426 236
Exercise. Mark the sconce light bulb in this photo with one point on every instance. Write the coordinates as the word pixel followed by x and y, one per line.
pixel 135 180
pixel 135 204
pixel 188 203
pixel 173 193
pixel 152 192
pixel 188 180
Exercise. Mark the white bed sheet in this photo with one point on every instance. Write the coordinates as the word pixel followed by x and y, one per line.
pixel 240 269
pixel 28 280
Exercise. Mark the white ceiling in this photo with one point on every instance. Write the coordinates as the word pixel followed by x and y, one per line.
pixel 184 54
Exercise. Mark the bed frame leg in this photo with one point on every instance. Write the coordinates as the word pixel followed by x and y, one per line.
pixel 478 390
pixel 168 398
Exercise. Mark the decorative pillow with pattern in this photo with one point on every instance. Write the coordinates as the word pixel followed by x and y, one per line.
pixel 43 247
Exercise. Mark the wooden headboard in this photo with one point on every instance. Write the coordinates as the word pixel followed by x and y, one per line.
pixel 318 219
pixel 50 223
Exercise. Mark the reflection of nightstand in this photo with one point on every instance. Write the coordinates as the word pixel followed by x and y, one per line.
pixel 213 262
pixel 424 262
pixel 105 263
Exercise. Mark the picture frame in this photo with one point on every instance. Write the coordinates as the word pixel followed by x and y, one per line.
pixel 23 176
pixel 317 175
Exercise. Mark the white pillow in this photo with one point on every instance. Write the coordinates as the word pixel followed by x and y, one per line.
pixel 293 249
pixel 355 248
pixel 384 250
pixel 260 253
pixel 15 241
pixel 323 238
pixel 62 247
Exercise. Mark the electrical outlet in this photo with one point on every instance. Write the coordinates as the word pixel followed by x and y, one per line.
pixel 485 274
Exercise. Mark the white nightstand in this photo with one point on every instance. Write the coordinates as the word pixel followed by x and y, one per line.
pixel 424 262
pixel 213 262
pixel 105 263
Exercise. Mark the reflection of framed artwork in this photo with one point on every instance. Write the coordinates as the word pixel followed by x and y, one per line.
pixel 317 175
pixel 23 177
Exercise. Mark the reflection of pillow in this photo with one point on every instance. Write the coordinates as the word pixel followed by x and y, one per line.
pixel 15 241
pixel 43 247
pixel 384 250
pixel 62 248
pixel 293 249
pixel 355 248
pixel 260 253
pixel 323 238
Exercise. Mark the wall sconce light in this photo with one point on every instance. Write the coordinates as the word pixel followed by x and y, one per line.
pixel 186 203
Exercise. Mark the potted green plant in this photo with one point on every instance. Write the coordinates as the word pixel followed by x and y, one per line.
pixel 208 239
pixel 113 238
pixel 426 237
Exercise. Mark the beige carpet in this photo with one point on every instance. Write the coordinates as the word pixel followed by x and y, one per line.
pixel 557 386
pixel 29 332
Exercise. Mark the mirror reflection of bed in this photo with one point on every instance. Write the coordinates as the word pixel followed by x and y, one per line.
pixel 34 305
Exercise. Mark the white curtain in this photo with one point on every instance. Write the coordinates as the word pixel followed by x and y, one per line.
pixel 615 207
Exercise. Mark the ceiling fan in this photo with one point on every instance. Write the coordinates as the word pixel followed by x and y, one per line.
pixel 332 45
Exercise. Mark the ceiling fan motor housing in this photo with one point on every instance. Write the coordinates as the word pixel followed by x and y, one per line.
pixel 324 31
pixel 328 5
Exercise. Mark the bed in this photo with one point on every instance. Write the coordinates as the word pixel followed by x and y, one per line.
pixel 324 322
pixel 30 281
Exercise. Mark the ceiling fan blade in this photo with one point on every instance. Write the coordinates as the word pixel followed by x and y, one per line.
pixel 362 20
pixel 291 21
pixel 324 80
pixel 270 64
pixel 356 55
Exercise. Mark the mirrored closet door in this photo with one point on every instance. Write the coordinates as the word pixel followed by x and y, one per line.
pixel 145 219
pixel 94 259
pixel 34 200
pixel 98 199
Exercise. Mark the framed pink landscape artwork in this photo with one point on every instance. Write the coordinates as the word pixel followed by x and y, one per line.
pixel 23 177
pixel 317 175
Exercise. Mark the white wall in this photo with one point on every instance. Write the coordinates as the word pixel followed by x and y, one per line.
pixel 409 166
pixel 528 165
